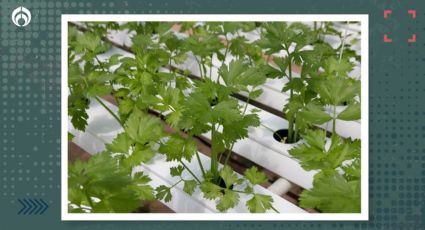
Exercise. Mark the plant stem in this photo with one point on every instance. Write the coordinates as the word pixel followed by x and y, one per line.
pixel 89 199
pixel 229 151
pixel 295 135
pixel 247 102
pixel 239 191
pixel 274 209
pixel 200 164
pixel 176 183
pixel 190 171
pixel 267 127
pixel 291 119
pixel 109 110
pixel 334 121
pixel 200 67
pixel 224 58
pixel 211 67
pixel 214 157
pixel 106 70
pixel 342 45
pixel 204 68
pixel 339 61
pixel 100 63
pixel 290 74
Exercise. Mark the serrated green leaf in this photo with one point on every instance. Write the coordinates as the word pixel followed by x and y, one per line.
pixel 351 113
pixel 141 178
pixel 310 157
pixel 316 138
pixel 189 186
pixel 101 78
pixel 238 75
pixel 176 171
pixel 256 93
pixel 296 84
pixel 163 193
pixel 173 119
pixel 125 106
pixel 249 189
pixel 120 144
pixel 238 129
pixel 77 107
pixel 99 90
pixel 141 154
pixel 313 155
pixel 254 176
pixel 229 176
pixel 101 177
pixel 338 67
pixel 144 192
pixel 197 113
pixel 229 200
pixel 143 128
pixel 178 148
pixel 226 111
pixel 259 203
pixel 88 41
pixel 313 113
pixel 353 171
pixel 123 202
pixel 210 190
pixel 342 150
pixel 336 91
pixel 333 194
pixel 283 64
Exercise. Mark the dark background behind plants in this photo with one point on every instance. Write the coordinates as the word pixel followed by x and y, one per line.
pixel 30 122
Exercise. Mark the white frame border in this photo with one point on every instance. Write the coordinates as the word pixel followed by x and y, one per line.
pixel 363 18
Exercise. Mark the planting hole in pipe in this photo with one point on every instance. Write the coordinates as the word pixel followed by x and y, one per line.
pixel 281 136
pixel 223 185
pixel 213 101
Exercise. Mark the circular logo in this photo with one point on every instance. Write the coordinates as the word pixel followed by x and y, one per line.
pixel 21 16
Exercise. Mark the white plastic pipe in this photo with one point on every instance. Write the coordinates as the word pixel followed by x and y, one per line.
pixel 280 187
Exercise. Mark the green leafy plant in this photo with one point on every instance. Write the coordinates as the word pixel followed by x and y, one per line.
pixel 147 83
pixel 210 108
pixel 336 187
pixel 195 108
pixel 100 185
pixel 293 40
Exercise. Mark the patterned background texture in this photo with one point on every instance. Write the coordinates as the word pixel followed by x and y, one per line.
pixel 30 109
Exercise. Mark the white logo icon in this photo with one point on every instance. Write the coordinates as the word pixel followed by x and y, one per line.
pixel 21 16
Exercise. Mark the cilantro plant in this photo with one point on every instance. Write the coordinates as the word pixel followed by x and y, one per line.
pixel 153 97
pixel 100 185
pixel 140 85
pixel 336 187
pixel 210 108
pixel 305 47
pixel 293 41
pixel 105 182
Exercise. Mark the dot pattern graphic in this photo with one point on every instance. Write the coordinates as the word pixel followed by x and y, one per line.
pixel 30 77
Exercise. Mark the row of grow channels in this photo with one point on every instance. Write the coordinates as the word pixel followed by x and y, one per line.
pixel 207 105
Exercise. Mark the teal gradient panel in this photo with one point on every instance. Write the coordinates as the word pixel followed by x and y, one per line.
pixel 30 75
